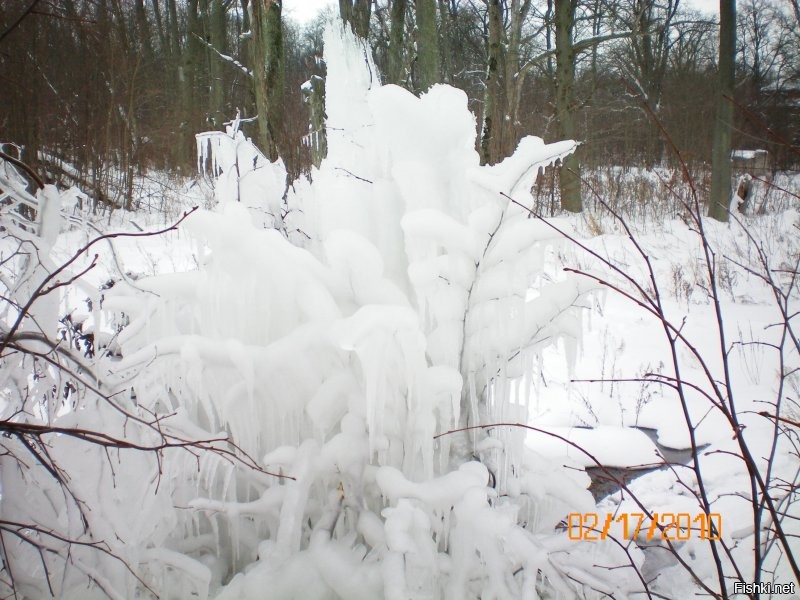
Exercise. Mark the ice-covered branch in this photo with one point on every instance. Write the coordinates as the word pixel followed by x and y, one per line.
pixel 224 57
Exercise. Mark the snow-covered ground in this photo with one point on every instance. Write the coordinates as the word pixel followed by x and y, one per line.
pixel 606 406
pixel 403 293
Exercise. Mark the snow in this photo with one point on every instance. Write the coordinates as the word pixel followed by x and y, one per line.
pixel 441 493
pixel 746 154
pixel 604 445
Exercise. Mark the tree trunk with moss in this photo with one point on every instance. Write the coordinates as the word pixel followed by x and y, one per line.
pixel 446 41
pixel 570 178
pixel 427 67
pixel 723 126
pixel 492 115
pixel 395 70
pixel 267 57
pixel 219 42
pixel 357 14
pixel 514 78
pixel 188 57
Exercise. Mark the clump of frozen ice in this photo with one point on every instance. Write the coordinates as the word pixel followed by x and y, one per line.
pixel 405 314
pixel 242 173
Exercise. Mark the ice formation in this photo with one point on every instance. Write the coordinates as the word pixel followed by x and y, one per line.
pixel 242 173
pixel 333 332
pixel 405 314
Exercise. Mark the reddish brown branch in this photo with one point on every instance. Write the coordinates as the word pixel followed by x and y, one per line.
pixel 18 163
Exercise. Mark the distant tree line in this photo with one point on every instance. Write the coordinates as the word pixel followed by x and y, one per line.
pixel 99 90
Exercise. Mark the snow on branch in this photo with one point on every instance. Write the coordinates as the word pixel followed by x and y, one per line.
pixel 228 59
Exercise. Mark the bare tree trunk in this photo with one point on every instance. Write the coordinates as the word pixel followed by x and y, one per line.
pixel 505 78
pixel 446 40
pixel 796 8
pixel 363 13
pixel 219 38
pixel 396 39
pixel 187 70
pixel 267 51
pixel 427 45
pixel 548 18
pixel 647 59
pixel 357 14
pixel 570 179
pixel 179 85
pixel 596 21
pixel 723 126
pixel 514 78
pixel 143 32
pixel 162 40
pixel 173 29
pixel 494 88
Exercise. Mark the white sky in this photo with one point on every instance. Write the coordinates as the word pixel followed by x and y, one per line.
pixel 303 11
pixel 706 6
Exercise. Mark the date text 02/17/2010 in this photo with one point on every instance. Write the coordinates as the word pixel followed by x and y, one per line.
pixel 591 527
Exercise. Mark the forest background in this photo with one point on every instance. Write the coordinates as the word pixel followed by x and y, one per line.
pixel 99 92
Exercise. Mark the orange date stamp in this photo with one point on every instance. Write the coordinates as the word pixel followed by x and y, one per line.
pixel 666 526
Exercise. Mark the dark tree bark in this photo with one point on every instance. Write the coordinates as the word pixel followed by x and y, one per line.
pixel 162 39
pixel 796 9
pixel 505 77
pixel 396 70
pixel 723 125
pixel 570 179
pixel 514 78
pixel 492 114
pixel 446 17
pixel 267 54
pixel 427 67
pixel 219 41
pixel 357 14
pixel 143 32
pixel 173 30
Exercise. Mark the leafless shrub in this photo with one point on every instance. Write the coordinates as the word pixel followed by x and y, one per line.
pixel 771 498
pixel 74 456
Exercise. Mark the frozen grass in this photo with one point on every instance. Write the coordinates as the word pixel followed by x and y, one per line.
pixel 644 196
